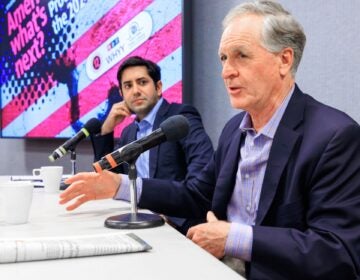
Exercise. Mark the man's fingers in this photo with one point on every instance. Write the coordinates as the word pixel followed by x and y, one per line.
pixel 125 111
pixel 72 191
pixel 190 232
pixel 68 198
pixel 78 177
pixel 72 179
pixel 77 203
pixel 120 109
pixel 72 207
pixel 197 233
pixel 210 217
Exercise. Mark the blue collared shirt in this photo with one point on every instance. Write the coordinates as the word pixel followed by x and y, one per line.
pixel 145 127
pixel 243 205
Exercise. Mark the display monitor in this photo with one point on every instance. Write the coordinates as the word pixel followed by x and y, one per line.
pixel 59 59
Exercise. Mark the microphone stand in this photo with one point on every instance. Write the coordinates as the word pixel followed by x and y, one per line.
pixel 134 220
pixel 73 161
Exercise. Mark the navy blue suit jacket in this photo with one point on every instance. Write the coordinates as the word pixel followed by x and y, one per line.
pixel 179 160
pixel 308 220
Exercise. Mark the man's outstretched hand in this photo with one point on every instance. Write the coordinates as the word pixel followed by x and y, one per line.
pixel 87 186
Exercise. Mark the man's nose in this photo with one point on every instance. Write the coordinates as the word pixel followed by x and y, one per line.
pixel 135 90
pixel 229 70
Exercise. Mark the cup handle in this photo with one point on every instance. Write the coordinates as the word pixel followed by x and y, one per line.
pixel 36 172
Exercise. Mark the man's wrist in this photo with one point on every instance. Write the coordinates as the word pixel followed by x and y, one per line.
pixel 123 191
pixel 106 130
pixel 239 241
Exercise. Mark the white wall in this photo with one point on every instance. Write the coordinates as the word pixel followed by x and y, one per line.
pixel 18 156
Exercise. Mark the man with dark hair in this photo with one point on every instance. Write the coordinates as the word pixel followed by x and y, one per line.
pixel 141 88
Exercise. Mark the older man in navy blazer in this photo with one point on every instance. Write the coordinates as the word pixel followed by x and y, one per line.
pixel 284 183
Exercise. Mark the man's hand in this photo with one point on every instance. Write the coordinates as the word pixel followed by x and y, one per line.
pixel 87 186
pixel 211 236
pixel 116 115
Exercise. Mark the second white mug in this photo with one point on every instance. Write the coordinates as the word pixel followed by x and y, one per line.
pixel 16 198
pixel 51 177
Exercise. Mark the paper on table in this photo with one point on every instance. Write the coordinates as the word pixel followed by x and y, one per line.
pixel 38 183
pixel 35 179
pixel 32 178
pixel 33 249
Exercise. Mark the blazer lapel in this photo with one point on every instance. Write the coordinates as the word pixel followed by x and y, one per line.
pixel 226 179
pixel 279 156
pixel 285 140
pixel 153 153
pixel 132 132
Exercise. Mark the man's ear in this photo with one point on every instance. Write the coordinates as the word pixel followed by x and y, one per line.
pixel 158 87
pixel 286 61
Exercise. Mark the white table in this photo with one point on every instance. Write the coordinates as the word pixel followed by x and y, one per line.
pixel 173 256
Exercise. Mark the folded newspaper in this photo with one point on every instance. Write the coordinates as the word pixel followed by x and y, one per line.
pixel 34 249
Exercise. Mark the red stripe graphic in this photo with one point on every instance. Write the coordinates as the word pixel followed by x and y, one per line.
pixel 117 17
pixel 172 93
pixel 27 97
pixel 155 49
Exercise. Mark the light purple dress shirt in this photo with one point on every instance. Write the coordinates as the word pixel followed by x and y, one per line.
pixel 243 205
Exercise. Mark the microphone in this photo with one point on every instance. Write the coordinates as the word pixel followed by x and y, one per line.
pixel 92 126
pixel 172 129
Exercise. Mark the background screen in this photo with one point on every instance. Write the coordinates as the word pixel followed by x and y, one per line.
pixel 59 59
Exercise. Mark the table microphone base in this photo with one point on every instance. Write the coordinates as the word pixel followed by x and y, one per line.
pixel 134 221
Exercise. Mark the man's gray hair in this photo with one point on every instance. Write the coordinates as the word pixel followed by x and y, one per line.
pixel 280 29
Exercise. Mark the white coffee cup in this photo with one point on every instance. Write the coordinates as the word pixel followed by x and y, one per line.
pixel 16 198
pixel 51 177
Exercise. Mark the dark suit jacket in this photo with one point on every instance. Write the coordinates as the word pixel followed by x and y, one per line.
pixel 180 160
pixel 308 220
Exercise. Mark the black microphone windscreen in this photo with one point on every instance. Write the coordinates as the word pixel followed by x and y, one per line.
pixel 93 126
pixel 175 127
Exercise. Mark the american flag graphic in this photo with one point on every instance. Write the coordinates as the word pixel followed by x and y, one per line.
pixel 59 59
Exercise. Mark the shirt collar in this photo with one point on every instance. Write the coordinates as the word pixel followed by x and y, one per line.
pixel 150 118
pixel 270 128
